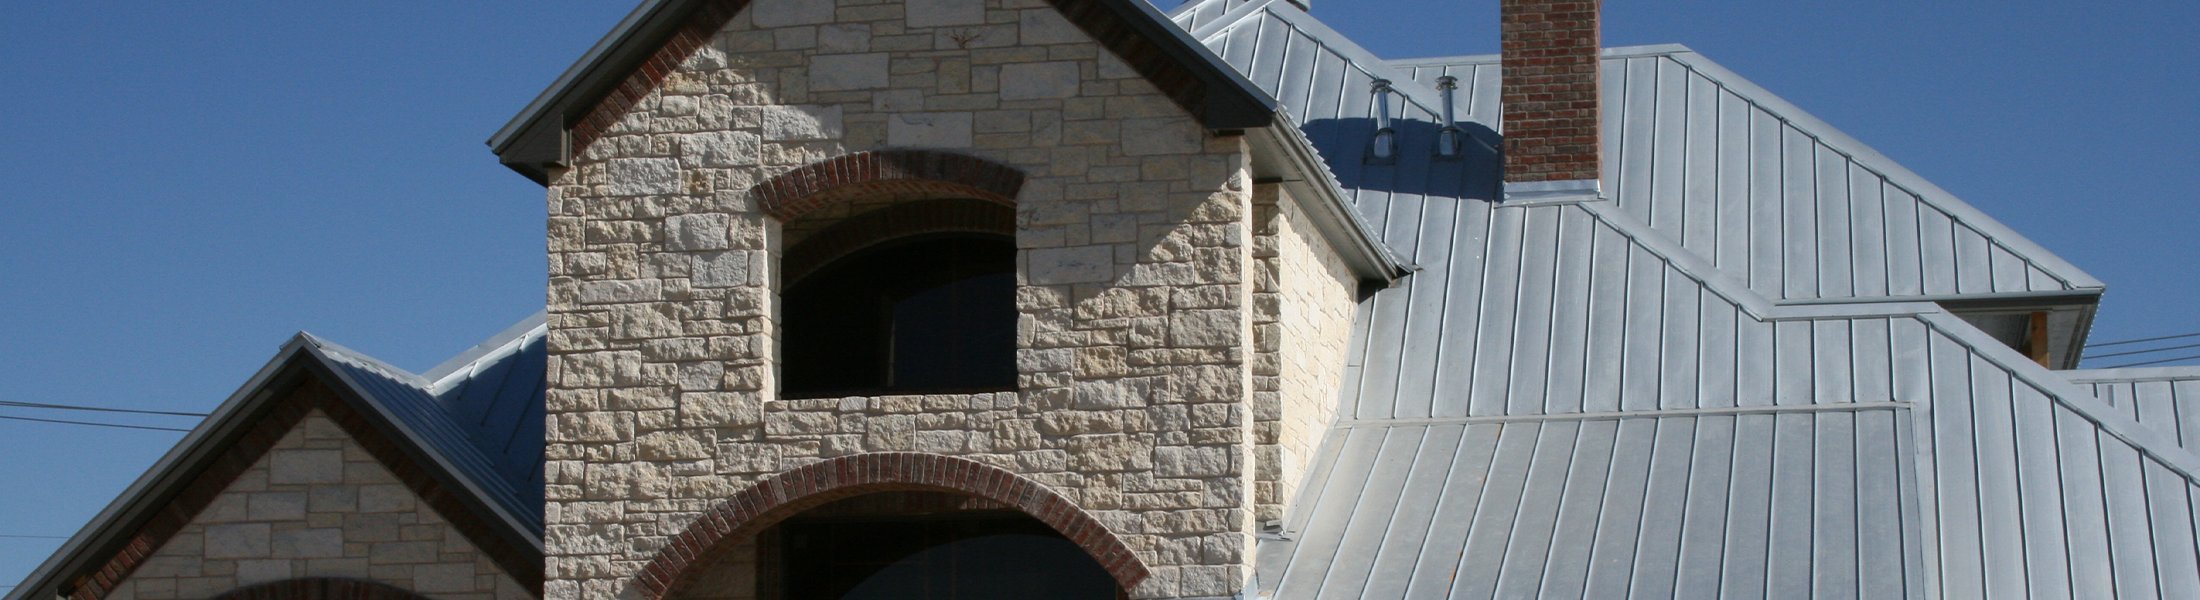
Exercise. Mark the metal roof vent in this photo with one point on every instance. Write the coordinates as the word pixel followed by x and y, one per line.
pixel 1450 141
pixel 1385 146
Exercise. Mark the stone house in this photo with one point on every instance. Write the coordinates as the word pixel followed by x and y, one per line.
pixel 1011 298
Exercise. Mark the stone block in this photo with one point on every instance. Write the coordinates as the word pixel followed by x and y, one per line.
pixel 943 13
pixel 306 466
pixel 1046 26
pixel 851 37
pixel 616 291
pixel 1163 135
pixel 721 269
pixel 1037 81
pixel 794 123
pixel 239 540
pixel 1206 328
pixel 1109 453
pixel 1081 264
pixel 719 149
pixel 843 72
pixel 309 543
pixel 929 130
pixel 782 13
pixel 383 498
pixel 643 176
pixel 710 231
pixel 261 571
pixel 274 506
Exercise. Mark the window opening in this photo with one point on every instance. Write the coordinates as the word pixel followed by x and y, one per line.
pixel 924 314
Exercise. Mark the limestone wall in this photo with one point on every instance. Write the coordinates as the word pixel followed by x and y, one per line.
pixel 1304 298
pixel 317 505
pixel 1134 231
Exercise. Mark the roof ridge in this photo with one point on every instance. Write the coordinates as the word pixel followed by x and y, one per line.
pixel 1636 51
pixel 444 374
pixel 368 361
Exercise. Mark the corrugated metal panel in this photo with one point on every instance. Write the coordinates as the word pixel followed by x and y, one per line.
pixel 1794 504
pixel 1770 196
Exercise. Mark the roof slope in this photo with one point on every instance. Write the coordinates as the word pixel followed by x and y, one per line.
pixel 1606 344
pixel 483 415
pixel 476 429
pixel 1775 197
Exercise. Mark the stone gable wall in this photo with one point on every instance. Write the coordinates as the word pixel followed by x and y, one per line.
pixel 1134 232
pixel 317 505
pixel 1304 301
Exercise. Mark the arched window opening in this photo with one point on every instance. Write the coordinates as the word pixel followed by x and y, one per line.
pixel 921 314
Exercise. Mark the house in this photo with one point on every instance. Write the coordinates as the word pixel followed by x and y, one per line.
pixel 948 298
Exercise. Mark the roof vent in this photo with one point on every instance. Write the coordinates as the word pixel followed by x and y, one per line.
pixel 1450 140
pixel 1385 147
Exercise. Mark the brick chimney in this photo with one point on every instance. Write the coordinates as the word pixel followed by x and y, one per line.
pixel 1550 99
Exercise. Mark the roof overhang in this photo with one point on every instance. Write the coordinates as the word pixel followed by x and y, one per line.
pixel 1282 154
pixel 536 140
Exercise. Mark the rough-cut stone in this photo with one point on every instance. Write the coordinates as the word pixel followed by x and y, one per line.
pixel 938 13
pixel 1135 250
pixel 783 123
pixel 929 130
pixel 695 232
pixel 1083 264
pixel 644 176
pixel 307 466
pixel 842 72
pixel 779 13
pixel 719 148
pixel 1032 81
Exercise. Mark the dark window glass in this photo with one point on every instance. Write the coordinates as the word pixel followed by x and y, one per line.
pixel 931 314
pixel 997 555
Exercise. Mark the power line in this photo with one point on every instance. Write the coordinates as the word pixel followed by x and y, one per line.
pixel 2151 339
pixel 132 411
pixel 2148 351
pixel 2154 362
pixel 33 537
pixel 92 424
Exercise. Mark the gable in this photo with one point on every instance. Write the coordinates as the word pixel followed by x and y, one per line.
pixel 315 503
pixel 662 34
pixel 280 497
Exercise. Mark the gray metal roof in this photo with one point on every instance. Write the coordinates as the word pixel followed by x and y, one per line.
pixel 1755 504
pixel 1774 196
pixel 484 417
pixel 1692 388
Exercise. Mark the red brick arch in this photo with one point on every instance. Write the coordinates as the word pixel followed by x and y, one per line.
pixel 952 215
pixel 794 193
pixel 791 492
pixel 320 588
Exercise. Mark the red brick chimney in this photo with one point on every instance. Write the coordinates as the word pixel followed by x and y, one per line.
pixel 1550 99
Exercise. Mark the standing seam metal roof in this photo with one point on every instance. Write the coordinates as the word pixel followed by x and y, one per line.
pixel 1622 397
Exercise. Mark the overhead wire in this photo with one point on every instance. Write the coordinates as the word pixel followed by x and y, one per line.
pixel 91 423
pixel 32 537
pixel 2154 362
pixel 2144 340
pixel 2147 351
pixel 80 407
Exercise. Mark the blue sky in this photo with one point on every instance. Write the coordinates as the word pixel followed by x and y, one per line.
pixel 183 186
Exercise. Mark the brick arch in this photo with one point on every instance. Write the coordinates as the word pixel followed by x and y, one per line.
pixel 792 194
pixel 788 493
pixel 320 588
pixel 954 215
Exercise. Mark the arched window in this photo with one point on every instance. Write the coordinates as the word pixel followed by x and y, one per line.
pixel 932 313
